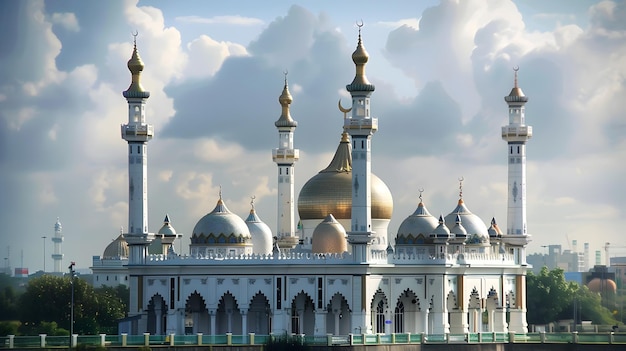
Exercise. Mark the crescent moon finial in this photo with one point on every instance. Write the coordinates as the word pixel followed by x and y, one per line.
pixel 285 72
pixel 359 24
pixel 135 34
pixel 421 190
pixel 461 187
pixel 343 109
pixel 252 201
pixel 515 68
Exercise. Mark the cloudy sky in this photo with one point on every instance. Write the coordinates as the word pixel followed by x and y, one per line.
pixel 215 71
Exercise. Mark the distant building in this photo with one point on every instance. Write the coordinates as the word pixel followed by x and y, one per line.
pixel 568 260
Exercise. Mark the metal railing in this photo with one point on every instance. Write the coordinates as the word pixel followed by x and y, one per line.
pixel 124 340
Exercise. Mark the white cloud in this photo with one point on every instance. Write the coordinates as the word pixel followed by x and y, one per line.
pixel 230 20
pixel 409 22
pixel 66 20
pixel 206 56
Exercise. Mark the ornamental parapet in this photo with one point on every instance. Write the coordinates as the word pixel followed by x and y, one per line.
pixel 512 132
pixel 307 258
pixel 285 155
pixel 137 132
pixel 353 124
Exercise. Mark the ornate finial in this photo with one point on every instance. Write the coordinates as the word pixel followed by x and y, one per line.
pixel 421 190
pixel 461 187
pixel 344 110
pixel 360 58
pixel 135 34
pixel 252 201
pixel 220 193
pixel 515 68
pixel 121 229
pixel 285 72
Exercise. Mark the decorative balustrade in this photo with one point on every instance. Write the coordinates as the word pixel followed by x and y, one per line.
pixel 146 339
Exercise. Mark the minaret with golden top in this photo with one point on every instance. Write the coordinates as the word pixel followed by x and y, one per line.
pixel 137 133
pixel 361 126
pixel 285 157
pixel 516 134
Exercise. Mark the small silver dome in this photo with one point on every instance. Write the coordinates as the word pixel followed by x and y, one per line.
pixel 261 234
pixel 221 227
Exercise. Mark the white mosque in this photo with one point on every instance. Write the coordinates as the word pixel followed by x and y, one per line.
pixel 334 270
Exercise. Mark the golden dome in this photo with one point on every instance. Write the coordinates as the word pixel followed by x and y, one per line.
pixel 360 58
pixel 330 191
pixel 602 286
pixel 135 66
pixel 285 100
pixel 329 237
pixel 117 249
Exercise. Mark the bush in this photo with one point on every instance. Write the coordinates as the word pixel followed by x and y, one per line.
pixel 286 343
pixel 9 327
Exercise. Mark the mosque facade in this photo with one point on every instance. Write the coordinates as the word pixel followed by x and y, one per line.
pixel 338 270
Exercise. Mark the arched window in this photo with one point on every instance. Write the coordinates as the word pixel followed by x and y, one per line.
pixel 398 318
pixel 380 317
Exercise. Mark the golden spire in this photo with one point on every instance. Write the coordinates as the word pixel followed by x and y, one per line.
pixel 516 94
pixel 360 58
pixel 285 100
pixel 135 66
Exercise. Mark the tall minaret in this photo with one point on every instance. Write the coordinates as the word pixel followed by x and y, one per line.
pixel 516 134
pixel 361 126
pixel 137 133
pixel 57 239
pixel 285 156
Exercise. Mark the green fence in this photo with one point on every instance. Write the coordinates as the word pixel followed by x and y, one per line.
pixel 39 341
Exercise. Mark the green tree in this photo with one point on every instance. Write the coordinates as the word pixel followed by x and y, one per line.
pixel 8 304
pixel 588 306
pixel 550 297
pixel 48 299
pixel 548 294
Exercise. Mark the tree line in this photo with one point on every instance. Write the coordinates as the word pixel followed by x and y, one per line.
pixel 45 307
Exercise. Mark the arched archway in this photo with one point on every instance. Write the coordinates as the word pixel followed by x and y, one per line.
pixel 475 315
pixel 379 308
pixel 196 315
pixel 228 315
pixel 157 315
pixel 260 315
pixel 406 317
pixel 302 314
pixel 339 317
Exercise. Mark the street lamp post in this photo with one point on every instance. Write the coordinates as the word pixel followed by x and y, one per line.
pixel 72 275
pixel 44 253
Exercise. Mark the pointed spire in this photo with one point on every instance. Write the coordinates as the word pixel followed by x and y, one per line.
pixel 360 58
pixel 461 190
pixel 516 94
pixel 342 160
pixel 285 100
pixel 167 219
pixel 135 66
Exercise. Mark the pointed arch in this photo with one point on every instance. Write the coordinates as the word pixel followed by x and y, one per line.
pixel 339 316
pixel 379 307
pixel 451 301
pixel 228 315
pixel 157 314
pixel 196 314
pixel 259 315
pixel 302 314
pixel 405 312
